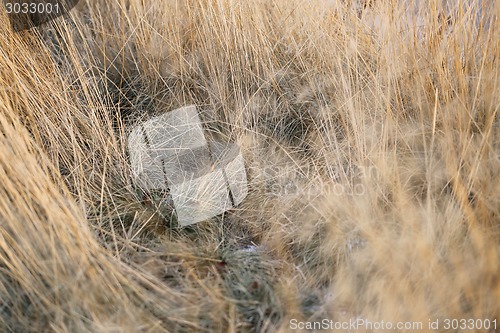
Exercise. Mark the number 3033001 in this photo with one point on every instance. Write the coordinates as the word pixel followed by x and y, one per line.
pixel 31 8
pixel 473 324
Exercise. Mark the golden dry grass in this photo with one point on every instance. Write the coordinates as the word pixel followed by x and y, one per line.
pixel 371 138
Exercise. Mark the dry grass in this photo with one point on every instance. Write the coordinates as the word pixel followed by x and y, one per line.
pixel 371 137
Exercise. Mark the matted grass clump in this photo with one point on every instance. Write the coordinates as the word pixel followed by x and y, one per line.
pixel 370 132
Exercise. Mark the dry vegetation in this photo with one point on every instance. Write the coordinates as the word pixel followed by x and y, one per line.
pixel 371 137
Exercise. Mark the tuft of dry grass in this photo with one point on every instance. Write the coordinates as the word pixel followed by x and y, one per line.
pixel 370 131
